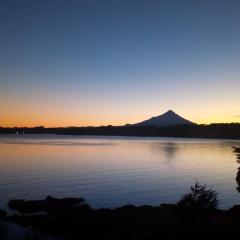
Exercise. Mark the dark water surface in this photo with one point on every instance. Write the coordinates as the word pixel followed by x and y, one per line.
pixel 113 171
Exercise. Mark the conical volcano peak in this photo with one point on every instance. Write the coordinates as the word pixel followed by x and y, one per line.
pixel 168 118
pixel 170 112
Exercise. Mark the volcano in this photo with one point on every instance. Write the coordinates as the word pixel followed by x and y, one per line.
pixel 169 118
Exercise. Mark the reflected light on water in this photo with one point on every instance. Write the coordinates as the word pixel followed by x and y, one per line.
pixel 112 171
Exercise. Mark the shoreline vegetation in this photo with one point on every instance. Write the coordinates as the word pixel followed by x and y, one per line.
pixel 212 131
pixel 195 216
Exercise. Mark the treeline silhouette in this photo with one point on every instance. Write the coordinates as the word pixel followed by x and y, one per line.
pixel 222 130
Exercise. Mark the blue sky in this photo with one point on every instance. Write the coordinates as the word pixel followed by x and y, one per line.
pixel 112 62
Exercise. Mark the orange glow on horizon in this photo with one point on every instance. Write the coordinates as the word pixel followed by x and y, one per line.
pixel 57 114
pixel 87 121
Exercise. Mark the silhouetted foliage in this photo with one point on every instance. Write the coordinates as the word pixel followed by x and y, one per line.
pixel 3 232
pixel 199 197
pixel 49 204
pixel 237 152
pixel 34 235
pixel 67 219
pixel 227 131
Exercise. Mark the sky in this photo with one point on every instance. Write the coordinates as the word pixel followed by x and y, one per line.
pixel 82 63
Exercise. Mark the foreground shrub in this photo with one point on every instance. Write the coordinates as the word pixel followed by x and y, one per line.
pixel 199 197
pixel 3 232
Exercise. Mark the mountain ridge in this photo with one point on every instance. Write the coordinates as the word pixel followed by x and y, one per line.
pixel 169 118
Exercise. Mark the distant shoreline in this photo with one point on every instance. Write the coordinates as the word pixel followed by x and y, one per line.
pixel 212 131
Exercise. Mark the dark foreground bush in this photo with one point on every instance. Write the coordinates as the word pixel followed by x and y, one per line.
pixel 3 232
pixel 73 219
pixel 199 197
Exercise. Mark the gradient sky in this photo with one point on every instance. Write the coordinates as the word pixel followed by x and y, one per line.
pixel 65 63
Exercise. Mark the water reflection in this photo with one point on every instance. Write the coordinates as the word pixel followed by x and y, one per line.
pixel 114 171
pixel 167 151
pixel 169 148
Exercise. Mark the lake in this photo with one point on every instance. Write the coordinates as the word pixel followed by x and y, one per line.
pixel 114 171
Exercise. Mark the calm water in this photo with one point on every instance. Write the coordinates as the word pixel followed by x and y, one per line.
pixel 112 171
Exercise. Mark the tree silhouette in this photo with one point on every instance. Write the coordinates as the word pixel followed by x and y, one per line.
pixel 199 197
pixel 237 152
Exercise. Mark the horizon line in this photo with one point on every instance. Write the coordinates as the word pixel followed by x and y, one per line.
pixel 110 125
